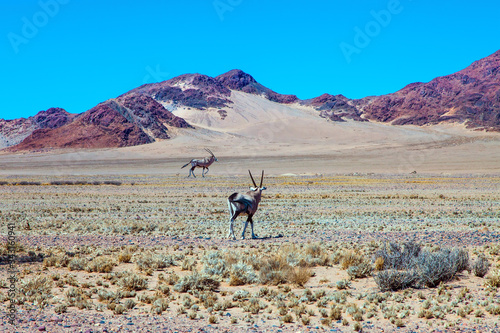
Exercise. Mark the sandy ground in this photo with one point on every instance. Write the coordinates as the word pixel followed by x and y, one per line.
pixel 425 150
pixel 343 186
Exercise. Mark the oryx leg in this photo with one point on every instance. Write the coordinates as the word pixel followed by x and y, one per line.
pixel 232 216
pixel 251 225
pixel 207 170
pixel 231 222
pixel 192 171
pixel 249 219
pixel 203 172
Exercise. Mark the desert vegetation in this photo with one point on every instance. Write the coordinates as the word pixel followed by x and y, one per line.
pixel 351 252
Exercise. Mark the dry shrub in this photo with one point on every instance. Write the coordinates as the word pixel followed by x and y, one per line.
pixel 159 306
pixel 196 281
pixel 360 271
pixel 240 295
pixel 215 264
pixel 124 257
pixel 149 261
pixel 77 264
pixel 171 279
pixel 188 264
pixel 133 281
pixel 101 265
pixel 399 256
pixel 493 309
pixel 253 305
pixel 61 308
pixel 56 261
pixel 315 255
pixel 310 256
pixel 147 299
pixel 336 313
pixel 287 318
pixel 481 267
pixel 393 280
pixel 163 289
pixel 119 309
pixel 253 260
pixel 408 266
pixel 208 298
pixel 129 304
pixel 38 289
pixel 242 274
pixel 441 266
pixel 79 298
pixel 232 257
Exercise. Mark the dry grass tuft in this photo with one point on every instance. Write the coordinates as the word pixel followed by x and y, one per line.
pixel 493 280
pixel 299 275
pixel 125 257
pixel 274 271
pixel 379 263
pixel 350 258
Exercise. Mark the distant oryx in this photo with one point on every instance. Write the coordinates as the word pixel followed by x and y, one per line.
pixel 203 163
pixel 245 203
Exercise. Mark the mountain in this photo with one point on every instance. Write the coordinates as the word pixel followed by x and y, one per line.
pixel 230 101
pixel 471 96
pixel 14 131
pixel 335 108
pixel 126 121
pixel 190 90
pixel 240 81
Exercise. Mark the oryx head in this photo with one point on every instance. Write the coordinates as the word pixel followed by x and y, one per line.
pixel 254 184
pixel 215 158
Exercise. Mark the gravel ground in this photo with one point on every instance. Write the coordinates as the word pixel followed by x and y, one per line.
pixel 157 212
pixel 84 322
pixel 443 238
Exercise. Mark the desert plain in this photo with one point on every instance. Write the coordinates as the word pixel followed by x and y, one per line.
pixel 119 240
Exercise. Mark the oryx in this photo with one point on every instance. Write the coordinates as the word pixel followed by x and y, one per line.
pixel 245 203
pixel 201 163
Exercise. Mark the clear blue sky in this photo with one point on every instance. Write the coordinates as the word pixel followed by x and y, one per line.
pixel 85 52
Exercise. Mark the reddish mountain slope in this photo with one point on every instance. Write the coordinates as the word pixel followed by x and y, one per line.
pixel 191 90
pixel 126 121
pixel 471 96
pixel 14 131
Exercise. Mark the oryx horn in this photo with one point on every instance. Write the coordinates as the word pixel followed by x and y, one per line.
pixel 253 181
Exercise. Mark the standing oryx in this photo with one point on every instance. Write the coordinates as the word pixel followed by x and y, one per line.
pixel 203 163
pixel 245 203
